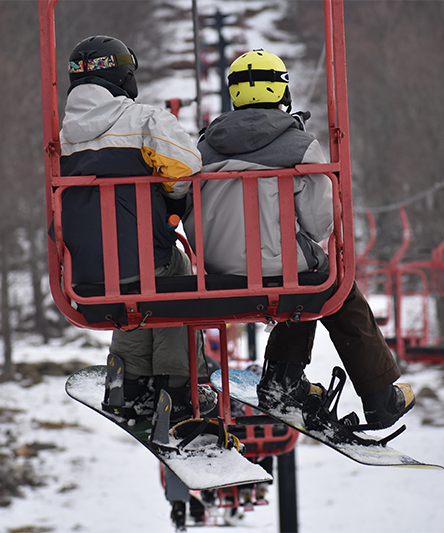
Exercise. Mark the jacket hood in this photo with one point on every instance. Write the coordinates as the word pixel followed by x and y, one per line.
pixel 247 130
pixel 91 110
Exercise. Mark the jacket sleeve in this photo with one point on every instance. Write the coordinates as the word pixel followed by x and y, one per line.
pixel 313 198
pixel 170 151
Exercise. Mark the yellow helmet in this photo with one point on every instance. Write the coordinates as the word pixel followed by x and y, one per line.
pixel 258 77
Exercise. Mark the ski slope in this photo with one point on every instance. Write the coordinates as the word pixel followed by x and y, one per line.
pixel 99 480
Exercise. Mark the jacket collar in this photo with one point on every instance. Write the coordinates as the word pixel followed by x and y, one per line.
pixel 113 89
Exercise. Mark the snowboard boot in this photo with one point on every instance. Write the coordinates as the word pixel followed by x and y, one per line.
pixel 284 385
pixel 233 516
pixel 138 399
pixel 208 498
pixel 178 515
pixel 261 494
pixel 197 511
pixel 385 407
pixel 246 497
pixel 182 407
pixel 127 398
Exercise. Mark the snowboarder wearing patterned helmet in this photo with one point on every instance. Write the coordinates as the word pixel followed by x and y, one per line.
pixel 106 133
pixel 259 134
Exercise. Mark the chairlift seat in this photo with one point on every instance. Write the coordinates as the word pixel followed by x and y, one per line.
pixel 206 308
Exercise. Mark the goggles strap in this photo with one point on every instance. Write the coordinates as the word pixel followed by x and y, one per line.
pixel 253 75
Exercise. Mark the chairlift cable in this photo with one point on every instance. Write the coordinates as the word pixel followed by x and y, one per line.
pixel 197 65
pixel 395 206
pixel 315 78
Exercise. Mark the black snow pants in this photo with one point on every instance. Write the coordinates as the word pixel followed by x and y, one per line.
pixel 357 338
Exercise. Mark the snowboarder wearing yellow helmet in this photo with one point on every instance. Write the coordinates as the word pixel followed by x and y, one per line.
pixel 259 134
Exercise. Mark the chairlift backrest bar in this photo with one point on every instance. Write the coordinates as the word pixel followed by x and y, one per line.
pixel 145 231
pixel 252 233
pixel 288 232
pixel 109 239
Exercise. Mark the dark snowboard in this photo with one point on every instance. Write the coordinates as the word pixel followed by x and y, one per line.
pixel 355 444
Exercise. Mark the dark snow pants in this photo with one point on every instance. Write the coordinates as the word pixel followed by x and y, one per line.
pixel 357 338
pixel 157 351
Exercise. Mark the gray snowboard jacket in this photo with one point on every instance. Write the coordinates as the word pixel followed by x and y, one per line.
pixel 255 139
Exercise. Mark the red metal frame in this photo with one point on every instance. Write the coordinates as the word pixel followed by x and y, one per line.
pixel 340 246
pixel 420 346
pixel 417 345
pixel 367 269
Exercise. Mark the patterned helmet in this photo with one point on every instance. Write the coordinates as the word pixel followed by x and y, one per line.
pixel 107 58
pixel 258 77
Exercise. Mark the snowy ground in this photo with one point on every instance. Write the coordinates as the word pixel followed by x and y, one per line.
pixel 99 480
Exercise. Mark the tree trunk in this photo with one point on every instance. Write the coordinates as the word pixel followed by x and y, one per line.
pixel 40 320
pixel 8 367
pixel 440 312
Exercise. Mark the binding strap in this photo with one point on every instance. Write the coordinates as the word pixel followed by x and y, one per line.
pixel 189 429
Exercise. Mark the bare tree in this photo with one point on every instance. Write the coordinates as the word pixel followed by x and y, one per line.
pixel 395 77
pixel 22 201
pixel 8 368
pixel 395 70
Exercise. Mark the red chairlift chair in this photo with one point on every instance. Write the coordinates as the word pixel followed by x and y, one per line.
pixel 414 344
pixel 420 345
pixel 201 301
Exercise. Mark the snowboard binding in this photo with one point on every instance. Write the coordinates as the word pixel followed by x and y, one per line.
pixel 321 413
pixel 188 431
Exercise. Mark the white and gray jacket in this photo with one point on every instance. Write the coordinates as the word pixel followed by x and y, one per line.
pixel 107 134
pixel 257 139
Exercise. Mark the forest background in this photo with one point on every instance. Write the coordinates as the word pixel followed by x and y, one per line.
pixel 395 79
